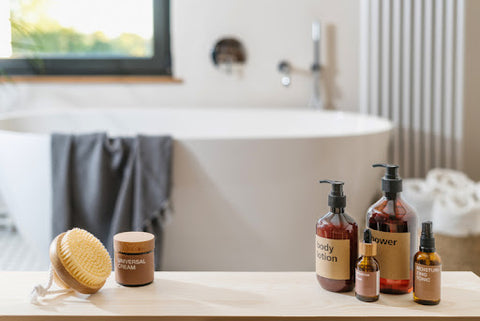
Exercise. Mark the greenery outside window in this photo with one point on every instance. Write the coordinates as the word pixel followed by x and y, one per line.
pixel 87 37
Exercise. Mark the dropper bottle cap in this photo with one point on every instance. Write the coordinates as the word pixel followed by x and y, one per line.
pixel 427 241
pixel 367 247
pixel 336 198
pixel 391 182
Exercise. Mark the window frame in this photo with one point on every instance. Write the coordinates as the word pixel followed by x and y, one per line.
pixel 158 64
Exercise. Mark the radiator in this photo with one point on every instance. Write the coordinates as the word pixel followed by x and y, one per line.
pixel 411 71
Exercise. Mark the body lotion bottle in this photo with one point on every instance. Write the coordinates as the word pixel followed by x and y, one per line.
pixel 393 224
pixel 336 244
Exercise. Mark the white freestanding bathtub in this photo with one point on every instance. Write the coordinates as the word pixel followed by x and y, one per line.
pixel 245 181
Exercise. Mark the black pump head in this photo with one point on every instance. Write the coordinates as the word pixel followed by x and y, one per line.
pixel 427 241
pixel 367 236
pixel 336 198
pixel 391 182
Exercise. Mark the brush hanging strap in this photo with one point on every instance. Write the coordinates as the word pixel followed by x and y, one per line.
pixel 41 291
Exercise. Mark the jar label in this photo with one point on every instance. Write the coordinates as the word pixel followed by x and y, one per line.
pixel 332 258
pixel 426 284
pixel 393 254
pixel 134 269
pixel 367 283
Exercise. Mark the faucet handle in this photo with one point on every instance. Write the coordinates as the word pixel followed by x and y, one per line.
pixel 285 68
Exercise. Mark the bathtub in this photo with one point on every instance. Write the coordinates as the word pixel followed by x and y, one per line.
pixel 245 191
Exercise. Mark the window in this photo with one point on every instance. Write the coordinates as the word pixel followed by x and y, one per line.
pixel 87 37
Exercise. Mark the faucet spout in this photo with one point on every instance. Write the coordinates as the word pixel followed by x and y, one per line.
pixel 316 100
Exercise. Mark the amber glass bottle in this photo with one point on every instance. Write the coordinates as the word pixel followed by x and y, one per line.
pixel 394 227
pixel 336 244
pixel 367 271
pixel 427 269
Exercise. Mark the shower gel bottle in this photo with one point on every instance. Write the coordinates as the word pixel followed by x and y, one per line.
pixel 393 224
pixel 336 244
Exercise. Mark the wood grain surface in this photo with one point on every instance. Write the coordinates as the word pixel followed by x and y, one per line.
pixel 232 295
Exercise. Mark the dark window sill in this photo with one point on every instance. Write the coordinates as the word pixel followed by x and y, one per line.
pixel 91 79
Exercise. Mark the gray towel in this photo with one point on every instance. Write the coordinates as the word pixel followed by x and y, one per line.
pixel 111 185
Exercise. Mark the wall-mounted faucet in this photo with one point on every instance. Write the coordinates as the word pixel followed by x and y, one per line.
pixel 285 68
pixel 316 101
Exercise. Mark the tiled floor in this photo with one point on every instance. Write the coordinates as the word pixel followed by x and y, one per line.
pixel 15 254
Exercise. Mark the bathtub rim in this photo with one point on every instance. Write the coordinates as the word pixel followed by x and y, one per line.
pixel 383 125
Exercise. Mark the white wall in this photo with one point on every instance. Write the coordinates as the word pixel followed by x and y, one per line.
pixel 271 30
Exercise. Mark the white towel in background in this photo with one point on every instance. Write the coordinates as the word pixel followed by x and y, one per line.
pixel 457 213
pixel 477 191
pixel 441 180
pixel 447 197
pixel 418 194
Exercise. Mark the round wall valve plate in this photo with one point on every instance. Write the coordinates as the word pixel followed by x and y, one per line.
pixel 227 52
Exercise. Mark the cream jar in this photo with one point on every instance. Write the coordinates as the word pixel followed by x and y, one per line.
pixel 134 258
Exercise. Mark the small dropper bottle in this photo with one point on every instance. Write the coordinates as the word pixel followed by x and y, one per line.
pixel 336 243
pixel 367 271
pixel 427 269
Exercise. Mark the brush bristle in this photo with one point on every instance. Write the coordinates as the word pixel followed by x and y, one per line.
pixel 85 258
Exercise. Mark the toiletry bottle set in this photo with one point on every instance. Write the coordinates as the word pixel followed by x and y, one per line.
pixel 388 262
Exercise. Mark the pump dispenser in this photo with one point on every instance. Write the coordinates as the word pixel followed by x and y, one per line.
pixel 393 224
pixel 336 243
pixel 391 182
pixel 336 198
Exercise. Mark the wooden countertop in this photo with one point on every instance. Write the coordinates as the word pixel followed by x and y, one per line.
pixel 232 295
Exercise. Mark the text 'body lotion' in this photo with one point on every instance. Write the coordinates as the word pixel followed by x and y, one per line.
pixel 393 224
pixel 336 244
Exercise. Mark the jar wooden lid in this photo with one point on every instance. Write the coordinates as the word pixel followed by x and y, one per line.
pixel 134 242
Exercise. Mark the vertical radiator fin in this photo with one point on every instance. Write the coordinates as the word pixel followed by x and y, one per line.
pixel 411 71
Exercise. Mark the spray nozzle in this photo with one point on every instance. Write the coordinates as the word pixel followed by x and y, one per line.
pixel 391 182
pixel 427 229
pixel 336 198
pixel 427 241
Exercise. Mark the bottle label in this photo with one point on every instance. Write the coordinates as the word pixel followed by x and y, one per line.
pixel 393 254
pixel 367 283
pixel 332 258
pixel 427 281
